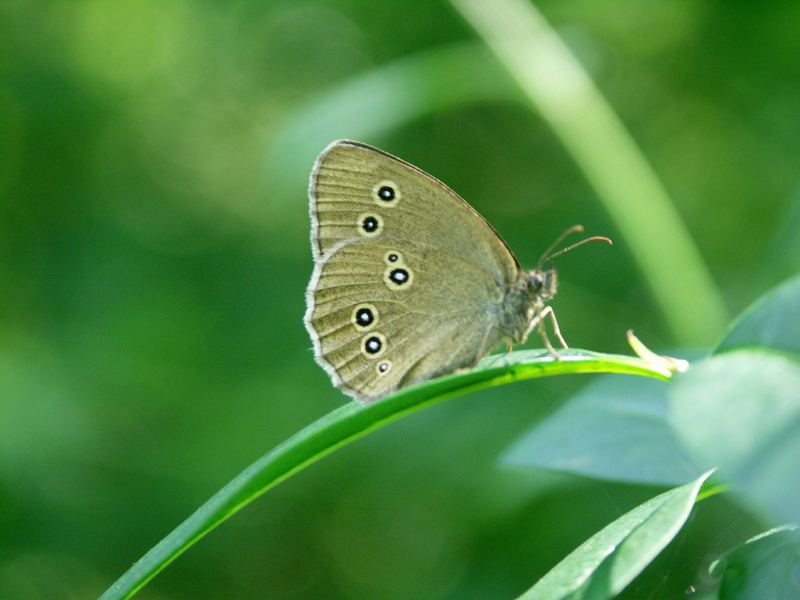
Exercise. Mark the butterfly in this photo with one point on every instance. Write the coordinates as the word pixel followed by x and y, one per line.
pixel 409 281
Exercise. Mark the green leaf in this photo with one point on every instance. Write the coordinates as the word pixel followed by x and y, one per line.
pixel 740 411
pixel 773 322
pixel 608 561
pixel 616 428
pixel 352 421
pixel 766 566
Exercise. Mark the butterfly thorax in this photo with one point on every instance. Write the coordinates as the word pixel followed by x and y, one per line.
pixel 524 300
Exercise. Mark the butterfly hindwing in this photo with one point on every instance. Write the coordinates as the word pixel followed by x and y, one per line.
pixel 382 314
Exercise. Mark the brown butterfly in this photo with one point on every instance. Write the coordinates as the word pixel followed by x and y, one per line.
pixel 410 282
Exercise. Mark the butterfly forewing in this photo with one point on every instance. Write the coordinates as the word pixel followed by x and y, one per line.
pixel 346 189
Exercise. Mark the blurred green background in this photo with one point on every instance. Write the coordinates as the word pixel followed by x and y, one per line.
pixel 154 254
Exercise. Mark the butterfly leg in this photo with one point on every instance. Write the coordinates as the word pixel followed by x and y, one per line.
pixel 539 323
pixel 549 312
pixel 543 334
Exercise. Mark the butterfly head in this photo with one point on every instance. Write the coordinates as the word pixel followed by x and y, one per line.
pixel 542 283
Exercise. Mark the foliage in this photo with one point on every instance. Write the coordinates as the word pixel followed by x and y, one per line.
pixel 766 566
pixel 761 388
pixel 350 422
pixel 154 253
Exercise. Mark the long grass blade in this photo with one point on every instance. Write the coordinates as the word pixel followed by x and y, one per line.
pixel 559 88
pixel 349 423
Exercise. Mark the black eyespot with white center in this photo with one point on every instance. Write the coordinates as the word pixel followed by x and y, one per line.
pixel 399 276
pixel 393 257
pixel 369 224
pixel 383 367
pixel 364 317
pixel 373 344
pixel 386 193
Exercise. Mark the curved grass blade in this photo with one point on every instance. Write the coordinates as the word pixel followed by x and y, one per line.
pixel 609 560
pixel 350 422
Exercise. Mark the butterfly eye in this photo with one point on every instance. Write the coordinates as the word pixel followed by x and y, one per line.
pixel 536 281
pixel 386 193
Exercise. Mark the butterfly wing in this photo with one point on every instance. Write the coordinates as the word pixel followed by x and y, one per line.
pixel 380 324
pixel 352 181
pixel 407 277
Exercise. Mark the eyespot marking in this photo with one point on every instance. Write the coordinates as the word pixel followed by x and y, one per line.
pixel 386 193
pixel 383 367
pixel 370 225
pixel 393 257
pixel 364 317
pixel 373 345
pixel 398 277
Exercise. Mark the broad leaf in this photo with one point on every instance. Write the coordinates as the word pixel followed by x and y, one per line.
pixel 616 428
pixel 740 411
pixel 767 566
pixel 773 322
pixel 608 561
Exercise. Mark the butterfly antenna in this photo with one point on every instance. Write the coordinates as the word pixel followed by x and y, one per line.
pixel 546 254
pixel 594 238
